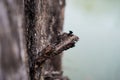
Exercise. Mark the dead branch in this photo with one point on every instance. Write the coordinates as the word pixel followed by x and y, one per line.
pixel 67 40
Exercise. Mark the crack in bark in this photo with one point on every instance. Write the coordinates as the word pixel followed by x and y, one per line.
pixel 29 10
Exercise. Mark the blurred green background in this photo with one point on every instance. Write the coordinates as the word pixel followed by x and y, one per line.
pixel 97 54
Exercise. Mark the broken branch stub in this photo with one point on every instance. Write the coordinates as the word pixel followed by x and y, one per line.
pixel 67 40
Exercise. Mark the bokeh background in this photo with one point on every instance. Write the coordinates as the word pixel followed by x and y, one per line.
pixel 97 54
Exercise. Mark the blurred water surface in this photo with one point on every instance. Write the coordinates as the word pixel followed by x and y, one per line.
pixel 97 54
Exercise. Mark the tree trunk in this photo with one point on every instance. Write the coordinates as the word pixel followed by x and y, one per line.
pixel 31 39
pixel 44 21
pixel 12 65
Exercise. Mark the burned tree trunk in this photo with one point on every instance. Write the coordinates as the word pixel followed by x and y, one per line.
pixel 31 39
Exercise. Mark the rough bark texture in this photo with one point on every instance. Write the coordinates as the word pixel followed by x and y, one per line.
pixel 31 39
pixel 44 21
